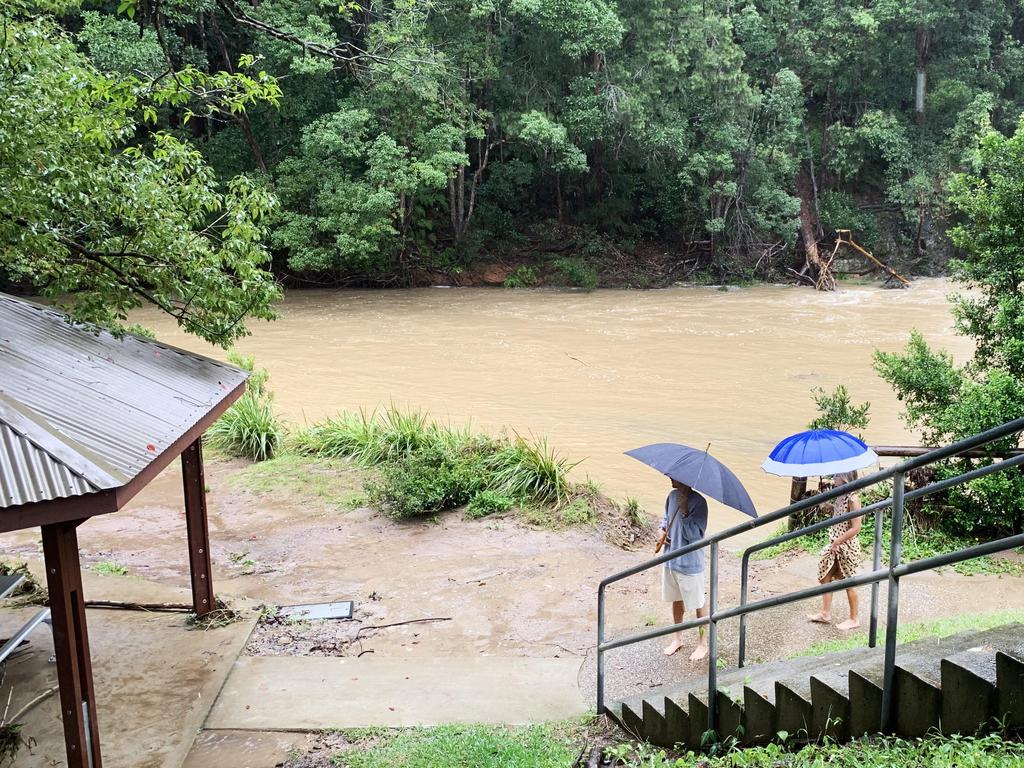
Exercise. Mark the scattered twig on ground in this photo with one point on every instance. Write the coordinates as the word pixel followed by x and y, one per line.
pixel 400 623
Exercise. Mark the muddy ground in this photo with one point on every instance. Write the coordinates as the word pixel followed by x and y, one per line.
pixel 448 586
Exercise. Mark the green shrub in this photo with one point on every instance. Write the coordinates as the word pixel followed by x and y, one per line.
pixel 521 277
pixel 249 428
pixel 431 480
pixel 530 470
pixel 486 503
pixel 427 467
pixel 577 272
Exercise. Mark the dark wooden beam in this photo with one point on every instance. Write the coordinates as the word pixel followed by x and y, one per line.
pixel 71 645
pixel 203 600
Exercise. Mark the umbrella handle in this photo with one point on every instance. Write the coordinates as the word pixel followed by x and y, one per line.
pixel 661 542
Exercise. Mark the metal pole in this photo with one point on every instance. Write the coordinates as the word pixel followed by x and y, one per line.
pixel 600 653
pixel 743 601
pixel 876 563
pixel 198 532
pixel 713 643
pixel 895 551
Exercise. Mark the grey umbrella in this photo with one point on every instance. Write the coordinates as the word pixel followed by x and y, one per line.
pixel 699 470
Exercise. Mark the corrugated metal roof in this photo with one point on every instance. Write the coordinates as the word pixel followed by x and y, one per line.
pixel 83 411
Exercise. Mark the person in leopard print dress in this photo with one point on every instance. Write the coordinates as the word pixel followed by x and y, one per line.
pixel 842 557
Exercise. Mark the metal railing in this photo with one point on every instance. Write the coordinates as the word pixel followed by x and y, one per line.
pixel 891 574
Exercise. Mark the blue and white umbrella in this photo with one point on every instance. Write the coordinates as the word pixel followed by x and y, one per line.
pixel 818 453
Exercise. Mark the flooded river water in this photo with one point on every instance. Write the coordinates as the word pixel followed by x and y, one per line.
pixel 599 373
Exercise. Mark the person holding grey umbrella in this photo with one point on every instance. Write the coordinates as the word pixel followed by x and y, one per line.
pixel 682 578
pixel 686 520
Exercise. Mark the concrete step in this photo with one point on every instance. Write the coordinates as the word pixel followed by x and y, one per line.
pixel 1010 687
pixel 959 683
pixel 969 699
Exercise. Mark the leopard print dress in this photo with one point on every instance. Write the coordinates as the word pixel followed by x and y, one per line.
pixel 849 557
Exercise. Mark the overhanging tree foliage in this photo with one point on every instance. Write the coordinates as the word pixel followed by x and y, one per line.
pixel 101 213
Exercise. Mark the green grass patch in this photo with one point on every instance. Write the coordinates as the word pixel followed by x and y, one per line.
pixel 331 482
pixel 110 568
pixel 467 746
pixel 908 632
pixel 933 752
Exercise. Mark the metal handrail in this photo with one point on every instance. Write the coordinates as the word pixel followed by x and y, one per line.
pixel 892 573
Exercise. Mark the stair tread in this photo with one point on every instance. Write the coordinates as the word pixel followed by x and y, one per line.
pixel 980 661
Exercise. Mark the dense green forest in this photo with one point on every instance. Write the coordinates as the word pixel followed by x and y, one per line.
pixel 381 142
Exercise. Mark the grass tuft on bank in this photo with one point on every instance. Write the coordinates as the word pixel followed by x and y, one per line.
pixel 250 428
pixel 425 467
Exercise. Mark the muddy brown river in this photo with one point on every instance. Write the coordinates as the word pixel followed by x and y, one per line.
pixel 603 372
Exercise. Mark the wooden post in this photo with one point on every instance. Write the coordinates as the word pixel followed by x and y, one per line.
pixel 203 600
pixel 71 645
pixel 797 489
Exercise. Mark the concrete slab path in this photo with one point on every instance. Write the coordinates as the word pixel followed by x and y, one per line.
pixel 306 692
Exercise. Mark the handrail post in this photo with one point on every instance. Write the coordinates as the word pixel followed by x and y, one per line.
pixel 600 653
pixel 713 642
pixel 895 552
pixel 876 563
pixel 744 566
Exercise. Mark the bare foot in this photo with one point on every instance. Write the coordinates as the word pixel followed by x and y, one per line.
pixel 848 624
pixel 675 646
pixel 699 653
pixel 819 618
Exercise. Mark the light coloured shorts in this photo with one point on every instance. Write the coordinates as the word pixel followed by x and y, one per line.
pixel 688 587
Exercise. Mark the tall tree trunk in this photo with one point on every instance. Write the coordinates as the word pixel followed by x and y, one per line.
pixel 809 233
pixel 920 87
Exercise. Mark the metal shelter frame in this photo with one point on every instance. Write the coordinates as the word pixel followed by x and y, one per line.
pixel 59 517
pixel 890 574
